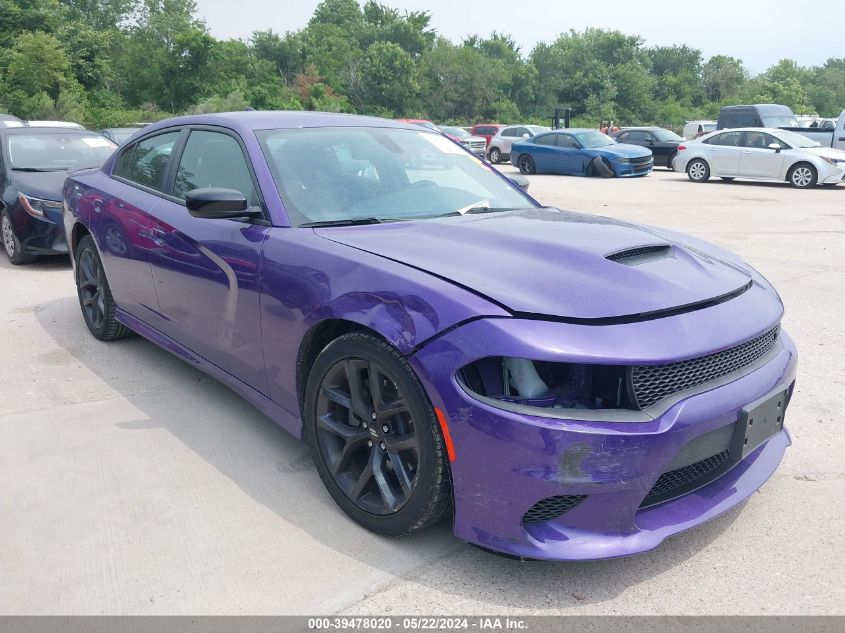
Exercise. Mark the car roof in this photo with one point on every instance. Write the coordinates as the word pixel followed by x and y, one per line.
pixel 643 128
pixel 278 119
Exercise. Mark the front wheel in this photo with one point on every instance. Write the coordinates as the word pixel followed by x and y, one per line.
pixel 526 164
pixel 698 170
pixel 95 298
pixel 374 437
pixel 803 176
pixel 495 156
pixel 11 243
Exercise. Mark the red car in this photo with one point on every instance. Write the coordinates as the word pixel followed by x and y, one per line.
pixel 487 130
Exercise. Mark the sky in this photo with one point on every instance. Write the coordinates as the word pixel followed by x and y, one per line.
pixel 760 33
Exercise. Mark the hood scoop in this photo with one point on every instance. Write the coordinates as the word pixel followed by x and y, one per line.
pixel 641 254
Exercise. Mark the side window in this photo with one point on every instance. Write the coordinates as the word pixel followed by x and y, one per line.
pixel 483 130
pixel 759 140
pixel 520 131
pixel 566 141
pixel 212 159
pixel 730 139
pixel 146 161
pixel 548 139
pixel 623 138
pixel 510 131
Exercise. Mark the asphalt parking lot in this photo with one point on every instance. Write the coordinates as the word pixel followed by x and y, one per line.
pixel 130 483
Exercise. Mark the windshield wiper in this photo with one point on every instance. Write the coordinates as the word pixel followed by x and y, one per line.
pixel 346 222
pixel 39 168
pixel 478 209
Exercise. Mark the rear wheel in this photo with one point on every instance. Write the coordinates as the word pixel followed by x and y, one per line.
pixel 374 437
pixel 698 170
pixel 670 160
pixel 803 176
pixel 495 156
pixel 526 164
pixel 11 243
pixel 95 298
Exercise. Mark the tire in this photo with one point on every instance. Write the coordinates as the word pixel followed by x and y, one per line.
pixel 495 155
pixel 11 243
pixel 526 164
pixel 727 178
pixel 698 170
pixel 95 298
pixel 599 167
pixel 356 452
pixel 671 160
pixel 803 176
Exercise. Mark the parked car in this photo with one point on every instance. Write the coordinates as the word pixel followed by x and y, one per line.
pixel 580 152
pixel 761 153
pixel 119 134
pixel 561 401
pixel 33 165
pixel 829 132
pixel 476 144
pixel 62 124
pixel 10 120
pixel 500 145
pixel 760 115
pixel 662 143
pixel 694 129
pixel 487 130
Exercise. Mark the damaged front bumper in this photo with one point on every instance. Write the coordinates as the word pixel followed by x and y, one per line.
pixel 604 472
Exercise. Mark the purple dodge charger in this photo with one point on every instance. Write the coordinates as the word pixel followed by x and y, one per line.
pixel 564 386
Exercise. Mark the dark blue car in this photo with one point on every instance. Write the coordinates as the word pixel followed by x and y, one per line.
pixel 580 152
pixel 34 163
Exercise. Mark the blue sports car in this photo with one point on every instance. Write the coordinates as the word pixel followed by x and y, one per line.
pixel 580 152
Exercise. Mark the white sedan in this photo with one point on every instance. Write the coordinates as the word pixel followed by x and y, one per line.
pixel 761 153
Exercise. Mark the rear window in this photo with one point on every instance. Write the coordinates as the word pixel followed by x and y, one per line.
pixel 50 151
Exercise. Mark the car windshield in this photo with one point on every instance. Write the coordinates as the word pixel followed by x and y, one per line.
pixel 796 140
pixel 666 135
pixel 380 174
pixel 594 138
pixel 454 131
pixel 52 151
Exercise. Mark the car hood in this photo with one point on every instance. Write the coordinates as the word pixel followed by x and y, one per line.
pixel 40 184
pixel 624 150
pixel 827 152
pixel 550 262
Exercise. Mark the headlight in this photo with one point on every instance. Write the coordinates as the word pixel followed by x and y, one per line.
pixel 36 206
pixel 836 162
pixel 547 385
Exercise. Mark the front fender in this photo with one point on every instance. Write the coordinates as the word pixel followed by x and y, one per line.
pixel 306 279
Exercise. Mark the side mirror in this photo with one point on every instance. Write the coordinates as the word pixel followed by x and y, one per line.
pixel 526 135
pixel 217 203
pixel 651 141
pixel 776 147
pixel 520 181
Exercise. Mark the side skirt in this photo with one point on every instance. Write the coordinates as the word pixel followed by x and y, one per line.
pixel 281 416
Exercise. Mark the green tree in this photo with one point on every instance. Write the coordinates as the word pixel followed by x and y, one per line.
pixel 389 78
pixel 37 64
pixel 723 78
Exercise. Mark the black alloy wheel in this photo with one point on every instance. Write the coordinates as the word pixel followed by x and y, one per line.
pixel 374 437
pixel 95 298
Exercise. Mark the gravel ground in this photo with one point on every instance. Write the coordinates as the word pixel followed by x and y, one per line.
pixel 133 484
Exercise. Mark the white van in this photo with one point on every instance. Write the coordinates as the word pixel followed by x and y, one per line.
pixel 693 129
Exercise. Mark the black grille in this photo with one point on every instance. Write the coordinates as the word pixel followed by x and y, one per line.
pixel 651 383
pixel 682 480
pixel 642 160
pixel 551 508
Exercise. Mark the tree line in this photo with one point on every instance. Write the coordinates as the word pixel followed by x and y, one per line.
pixel 108 63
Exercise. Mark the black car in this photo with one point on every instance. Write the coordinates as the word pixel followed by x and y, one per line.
pixel 662 143
pixel 33 165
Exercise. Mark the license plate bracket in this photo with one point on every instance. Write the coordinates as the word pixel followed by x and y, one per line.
pixel 758 421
